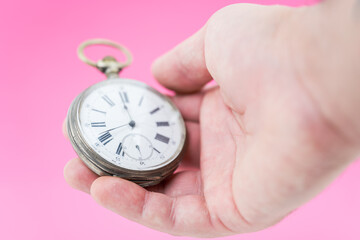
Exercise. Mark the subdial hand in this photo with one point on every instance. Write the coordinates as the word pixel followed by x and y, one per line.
pixel 138 148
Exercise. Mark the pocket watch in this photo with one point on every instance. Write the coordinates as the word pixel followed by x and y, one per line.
pixel 123 127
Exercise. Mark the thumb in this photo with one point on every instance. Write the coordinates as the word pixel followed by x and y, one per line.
pixel 183 69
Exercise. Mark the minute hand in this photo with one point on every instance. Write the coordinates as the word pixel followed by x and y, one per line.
pixel 114 128
pixel 125 107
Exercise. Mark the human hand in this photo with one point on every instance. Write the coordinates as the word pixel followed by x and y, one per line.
pixel 274 132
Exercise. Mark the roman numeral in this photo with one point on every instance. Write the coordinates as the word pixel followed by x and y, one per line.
pixel 108 100
pixel 162 138
pixel 124 99
pixel 118 150
pixel 162 124
pixel 141 100
pixel 98 124
pixel 95 110
pixel 155 110
pixel 105 138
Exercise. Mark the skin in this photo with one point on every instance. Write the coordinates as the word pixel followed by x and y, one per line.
pixel 279 126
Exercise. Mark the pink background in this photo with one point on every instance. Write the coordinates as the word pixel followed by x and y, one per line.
pixel 41 74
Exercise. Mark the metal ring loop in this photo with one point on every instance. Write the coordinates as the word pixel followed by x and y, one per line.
pixel 105 42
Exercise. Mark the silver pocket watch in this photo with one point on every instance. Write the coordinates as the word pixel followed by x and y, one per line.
pixel 123 127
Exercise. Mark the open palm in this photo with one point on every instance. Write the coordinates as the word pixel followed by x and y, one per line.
pixel 260 142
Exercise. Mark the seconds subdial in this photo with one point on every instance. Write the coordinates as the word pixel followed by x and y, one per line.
pixel 137 147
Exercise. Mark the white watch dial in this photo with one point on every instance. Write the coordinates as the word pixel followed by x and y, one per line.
pixel 130 125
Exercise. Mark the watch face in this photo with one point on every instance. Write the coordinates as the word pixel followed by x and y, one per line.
pixel 131 125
